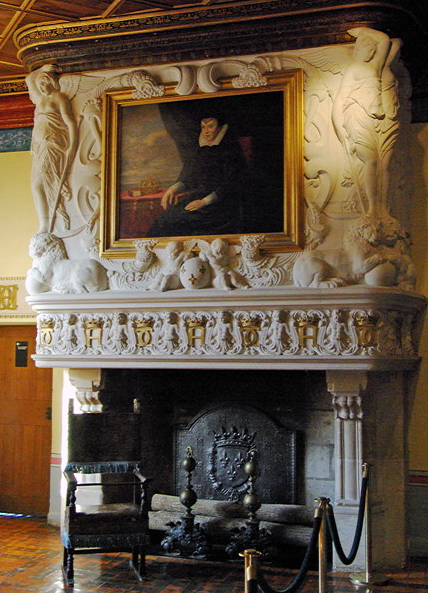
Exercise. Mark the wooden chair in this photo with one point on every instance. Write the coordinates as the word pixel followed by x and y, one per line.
pixel 120 523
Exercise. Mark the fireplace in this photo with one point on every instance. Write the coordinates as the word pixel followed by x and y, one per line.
pixel 278 413
pixel 313 331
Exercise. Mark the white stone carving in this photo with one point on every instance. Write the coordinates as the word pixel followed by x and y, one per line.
pixel 347 389
pixel 145 86
pixel 218 257
pixel 187 79
pixel 376 252
pixel 53 146
pixel 354 108
pixel 285 332
pixel 53 271
pixel 88 383
pixel 250 76
pixel 195 273
pixel 169 275
pixel 262 269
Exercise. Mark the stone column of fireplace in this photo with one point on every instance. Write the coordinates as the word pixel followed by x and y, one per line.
pixel 370 424
pixel 346 388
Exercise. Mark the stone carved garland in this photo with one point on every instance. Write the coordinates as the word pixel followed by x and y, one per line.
pixel 282 333
pixel 355 100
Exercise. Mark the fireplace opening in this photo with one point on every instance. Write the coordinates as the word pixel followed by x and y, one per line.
pixel 221 414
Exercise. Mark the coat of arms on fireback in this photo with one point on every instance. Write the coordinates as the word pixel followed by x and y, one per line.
pixel 226 462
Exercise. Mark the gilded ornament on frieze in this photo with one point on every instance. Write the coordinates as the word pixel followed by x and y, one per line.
pixel 307 330
pixel 143 331
pixel 93 333
pixel 366 327
pixel 250 330
pixel 196 331
pixel 46 332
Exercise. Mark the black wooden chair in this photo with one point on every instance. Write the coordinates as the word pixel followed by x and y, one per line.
pixel 120 523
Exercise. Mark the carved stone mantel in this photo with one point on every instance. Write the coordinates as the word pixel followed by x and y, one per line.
pixel 363 328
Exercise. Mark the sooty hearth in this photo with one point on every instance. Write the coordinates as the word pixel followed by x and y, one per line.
pixel 285 415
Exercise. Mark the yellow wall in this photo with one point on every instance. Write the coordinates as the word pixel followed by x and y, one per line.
pixel 18 222
pixel 418 153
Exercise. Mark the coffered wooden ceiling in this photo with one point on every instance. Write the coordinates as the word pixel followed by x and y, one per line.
pixel 15 14
pixel 81 35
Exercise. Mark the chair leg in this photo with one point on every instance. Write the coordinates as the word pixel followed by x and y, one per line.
pixel 138 562
pixel 68 567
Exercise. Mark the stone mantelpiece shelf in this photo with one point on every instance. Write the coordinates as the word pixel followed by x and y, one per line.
pixel 390 343
pixel 212 299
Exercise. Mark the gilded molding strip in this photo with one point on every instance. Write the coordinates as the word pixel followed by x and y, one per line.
pixel 31 35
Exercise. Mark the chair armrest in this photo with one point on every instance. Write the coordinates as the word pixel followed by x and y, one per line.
pixel 144 499
pixel 71 489
pixel 71 478
pixel 145 480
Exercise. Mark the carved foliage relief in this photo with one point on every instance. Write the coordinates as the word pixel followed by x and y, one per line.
pixel 355 104
pixel 282 333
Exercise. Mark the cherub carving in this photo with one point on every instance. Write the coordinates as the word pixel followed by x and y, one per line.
pixel 279 337
pixel 169 274
pixel 118 336
pixel 337 333
pixel 218 258
pixel 70 336
pixel 170 334
pixel 224 331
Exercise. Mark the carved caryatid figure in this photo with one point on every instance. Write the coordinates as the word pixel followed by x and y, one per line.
pixel 53 146
pixel 360 107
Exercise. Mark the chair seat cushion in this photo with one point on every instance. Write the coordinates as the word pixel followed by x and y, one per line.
pixel 106 518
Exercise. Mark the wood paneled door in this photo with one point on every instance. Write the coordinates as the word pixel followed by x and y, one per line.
pixel 25 424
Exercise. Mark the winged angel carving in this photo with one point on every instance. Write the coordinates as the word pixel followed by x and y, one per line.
pixel 364 116
pixel 54 141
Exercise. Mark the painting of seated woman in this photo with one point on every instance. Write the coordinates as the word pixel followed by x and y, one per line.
pixel 201 167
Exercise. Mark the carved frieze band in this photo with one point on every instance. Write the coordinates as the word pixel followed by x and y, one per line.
pixel 372 333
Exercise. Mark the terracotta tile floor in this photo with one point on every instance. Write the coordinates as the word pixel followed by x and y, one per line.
pixel 31 554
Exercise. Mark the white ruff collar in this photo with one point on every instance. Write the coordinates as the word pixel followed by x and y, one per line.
pixel 204 142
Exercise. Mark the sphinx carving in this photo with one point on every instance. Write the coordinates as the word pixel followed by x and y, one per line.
pixel 53 271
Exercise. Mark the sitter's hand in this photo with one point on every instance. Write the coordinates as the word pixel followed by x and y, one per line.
pixel 195 205
pixel 169 198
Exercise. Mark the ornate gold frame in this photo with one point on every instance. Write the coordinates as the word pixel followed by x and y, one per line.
pixel 289 82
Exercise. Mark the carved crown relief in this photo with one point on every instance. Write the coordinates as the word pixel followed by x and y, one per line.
pixel 355 102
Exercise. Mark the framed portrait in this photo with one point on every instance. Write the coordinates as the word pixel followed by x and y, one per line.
pixel 204 165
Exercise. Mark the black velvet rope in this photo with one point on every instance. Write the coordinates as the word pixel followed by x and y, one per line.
pixel 298 579
pixel 331 521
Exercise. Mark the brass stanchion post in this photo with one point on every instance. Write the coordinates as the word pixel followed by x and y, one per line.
pixel 367 578
pixel 251 565
pixel 322 544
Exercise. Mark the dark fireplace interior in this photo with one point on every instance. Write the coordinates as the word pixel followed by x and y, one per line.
pixel 155 414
